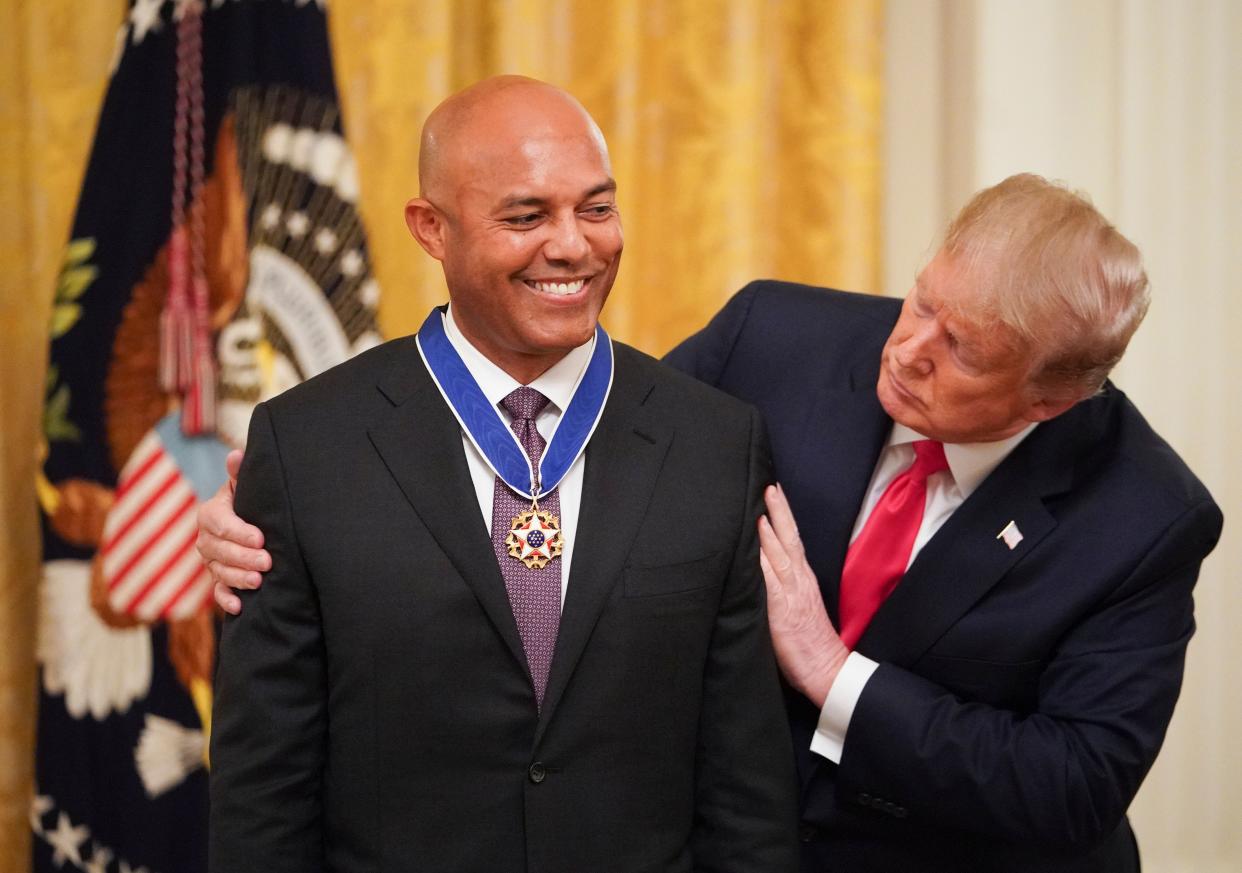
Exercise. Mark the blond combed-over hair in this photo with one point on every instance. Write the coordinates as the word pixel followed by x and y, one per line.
pixel 1052 269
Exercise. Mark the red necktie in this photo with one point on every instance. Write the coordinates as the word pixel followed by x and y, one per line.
pixel 877 559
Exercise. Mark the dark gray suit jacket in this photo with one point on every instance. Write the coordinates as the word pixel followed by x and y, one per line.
pixel 373 707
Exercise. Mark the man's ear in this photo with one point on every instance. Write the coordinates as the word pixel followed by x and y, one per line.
pixel 1048 407
pixel 427 225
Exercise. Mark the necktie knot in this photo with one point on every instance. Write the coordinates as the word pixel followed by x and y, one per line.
pixel 929 459
pixel 524 404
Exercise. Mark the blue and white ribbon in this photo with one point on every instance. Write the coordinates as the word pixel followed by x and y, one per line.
pixel 491 435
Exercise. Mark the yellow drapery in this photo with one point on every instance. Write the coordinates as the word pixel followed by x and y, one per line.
pixel 745 138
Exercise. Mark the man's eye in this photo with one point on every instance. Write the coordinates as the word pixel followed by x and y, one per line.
pixel 600 210
pixel 528 220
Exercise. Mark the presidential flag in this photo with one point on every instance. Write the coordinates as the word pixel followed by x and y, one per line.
pixel 217 257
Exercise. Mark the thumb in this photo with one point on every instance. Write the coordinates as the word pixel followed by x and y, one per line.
pixel 232 464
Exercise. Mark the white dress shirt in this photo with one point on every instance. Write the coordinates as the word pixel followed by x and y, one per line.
pixel 558 384
pixel 969 465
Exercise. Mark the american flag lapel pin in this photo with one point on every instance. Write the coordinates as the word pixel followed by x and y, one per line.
pixel 1011 535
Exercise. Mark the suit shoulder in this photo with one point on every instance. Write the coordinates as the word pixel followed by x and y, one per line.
pixel 806 322
pixel 1124 467
pixel 349 382
pixel 792 300
pixel 1152 458
pixel 676 391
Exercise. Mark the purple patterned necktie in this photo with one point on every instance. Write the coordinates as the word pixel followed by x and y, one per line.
pixel 534 595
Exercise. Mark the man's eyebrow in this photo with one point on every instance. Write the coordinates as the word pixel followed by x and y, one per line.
pixel 602 188
pixel 528 201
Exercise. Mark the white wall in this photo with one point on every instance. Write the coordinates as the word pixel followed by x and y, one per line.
pixel 1139 103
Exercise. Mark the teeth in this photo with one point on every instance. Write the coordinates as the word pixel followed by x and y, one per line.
pixel 560 289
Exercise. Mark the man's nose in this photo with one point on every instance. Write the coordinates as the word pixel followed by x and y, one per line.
pixel 566 242
pixel 912 351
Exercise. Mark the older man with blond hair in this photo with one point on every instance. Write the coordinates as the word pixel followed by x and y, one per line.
pixel 980 558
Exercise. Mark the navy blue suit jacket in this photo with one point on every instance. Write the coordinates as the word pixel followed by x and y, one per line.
pixel 1022 693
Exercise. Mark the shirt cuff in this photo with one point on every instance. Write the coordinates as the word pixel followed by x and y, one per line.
pixel 834 719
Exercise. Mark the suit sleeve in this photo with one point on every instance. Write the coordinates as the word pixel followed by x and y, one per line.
pixel 270 714
pixel 1065 773
pixel 705 354
pixel 745 805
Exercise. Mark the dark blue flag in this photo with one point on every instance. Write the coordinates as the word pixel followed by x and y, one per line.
pixel 217 257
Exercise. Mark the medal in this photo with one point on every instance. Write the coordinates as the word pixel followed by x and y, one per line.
pixel 535 537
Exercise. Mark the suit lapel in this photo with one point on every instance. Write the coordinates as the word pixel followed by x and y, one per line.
pixel 967 557
pixel 834 457
pixel 419 441
pixel 623 462
pixel 958 566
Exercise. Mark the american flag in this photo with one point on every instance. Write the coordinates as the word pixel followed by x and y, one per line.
pixel 149 562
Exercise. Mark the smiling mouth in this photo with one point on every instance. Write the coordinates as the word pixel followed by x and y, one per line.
pixel 557 289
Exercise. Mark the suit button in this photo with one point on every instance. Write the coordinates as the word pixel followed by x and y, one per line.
pixel 864 798
pixel 900 812
pixel 537 772
pixel 807 833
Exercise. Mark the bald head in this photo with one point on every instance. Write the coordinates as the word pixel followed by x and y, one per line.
pixel 518 205
pixel 494 116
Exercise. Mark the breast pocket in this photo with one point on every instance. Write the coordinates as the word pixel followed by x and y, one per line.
pixel 698 575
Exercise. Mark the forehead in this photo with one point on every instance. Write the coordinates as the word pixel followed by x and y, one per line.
pixel 964 302
pixel 548 167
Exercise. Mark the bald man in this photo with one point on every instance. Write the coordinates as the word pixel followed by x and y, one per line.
pixel 515 619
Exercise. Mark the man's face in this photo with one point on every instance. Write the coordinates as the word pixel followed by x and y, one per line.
pixel 532 244
pixel 946 377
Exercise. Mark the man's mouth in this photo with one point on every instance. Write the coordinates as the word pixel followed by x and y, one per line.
pixel 557 289
pixel 901 389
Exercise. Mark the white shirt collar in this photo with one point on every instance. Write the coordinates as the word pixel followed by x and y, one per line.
pixel 557 383
pixel 970 463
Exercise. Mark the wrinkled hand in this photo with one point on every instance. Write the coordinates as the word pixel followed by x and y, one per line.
pixel 232 550
pixel 808 649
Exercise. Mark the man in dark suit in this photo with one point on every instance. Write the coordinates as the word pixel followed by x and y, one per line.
pixel 1007 547
pixel 1017 646
pixel 406 692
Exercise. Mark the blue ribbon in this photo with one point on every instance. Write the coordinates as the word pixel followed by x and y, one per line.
pixel 488 431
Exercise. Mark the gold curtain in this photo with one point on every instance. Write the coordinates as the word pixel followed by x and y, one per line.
pixel 745 137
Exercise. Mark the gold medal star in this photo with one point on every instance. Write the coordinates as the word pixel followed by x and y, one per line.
pixel 535 538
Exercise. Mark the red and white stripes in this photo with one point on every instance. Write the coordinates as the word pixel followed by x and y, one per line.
pixel 149 562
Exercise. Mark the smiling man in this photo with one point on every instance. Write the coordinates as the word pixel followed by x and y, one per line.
pixel 515 620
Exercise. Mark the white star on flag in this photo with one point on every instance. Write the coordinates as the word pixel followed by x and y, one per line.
pixel 100 858
pixel 66 840
pixel 144 15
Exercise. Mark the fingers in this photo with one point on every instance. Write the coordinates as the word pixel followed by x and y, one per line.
pixel 770 576
pixel 224 554
pixel 772 551
pixel 232 463
pixel 216 519
pixel 782 520
pixel 226 599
